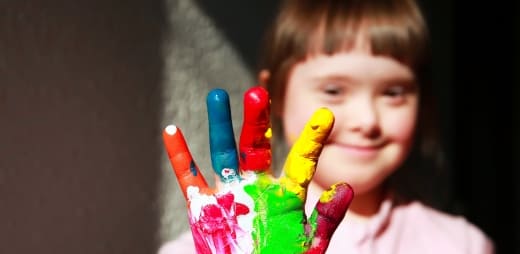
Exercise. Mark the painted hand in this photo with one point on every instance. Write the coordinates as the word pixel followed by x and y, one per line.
pixel 251 211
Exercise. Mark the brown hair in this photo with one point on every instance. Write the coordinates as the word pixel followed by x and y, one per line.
pixel 395 28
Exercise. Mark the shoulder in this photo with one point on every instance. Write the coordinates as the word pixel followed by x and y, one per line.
pixel 453 232
pixel 182 244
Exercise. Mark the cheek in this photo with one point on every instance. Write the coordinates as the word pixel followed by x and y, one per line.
pixel 400 126
pixel 294 117
pixel 292 126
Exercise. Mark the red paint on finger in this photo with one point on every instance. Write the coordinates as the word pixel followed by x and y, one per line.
pixel 255 146
pixel 329 212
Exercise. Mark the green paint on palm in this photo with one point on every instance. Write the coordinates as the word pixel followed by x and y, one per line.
pixel 313 222
pixel 284 231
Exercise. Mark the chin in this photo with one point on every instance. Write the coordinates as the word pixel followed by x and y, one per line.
pixel 362 177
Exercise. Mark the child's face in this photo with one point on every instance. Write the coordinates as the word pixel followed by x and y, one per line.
pixel 374 100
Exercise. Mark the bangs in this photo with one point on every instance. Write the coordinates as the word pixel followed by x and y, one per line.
pixel 388 28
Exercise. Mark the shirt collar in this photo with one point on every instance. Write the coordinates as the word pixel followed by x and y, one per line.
pixel 361 231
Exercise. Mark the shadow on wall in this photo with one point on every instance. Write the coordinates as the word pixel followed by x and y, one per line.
pixel 79 106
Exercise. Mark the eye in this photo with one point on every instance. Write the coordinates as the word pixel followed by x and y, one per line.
pixel 396 95
pixel 332 93
pixel 394 91
pixel 332 90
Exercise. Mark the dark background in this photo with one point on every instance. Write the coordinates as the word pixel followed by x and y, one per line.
pixel 80 109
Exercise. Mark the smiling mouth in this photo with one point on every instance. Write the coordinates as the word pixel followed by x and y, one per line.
pixel 362 151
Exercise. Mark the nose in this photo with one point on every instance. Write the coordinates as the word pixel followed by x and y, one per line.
pixel 362 116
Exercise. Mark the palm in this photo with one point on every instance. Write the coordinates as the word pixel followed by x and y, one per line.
pixel 251 211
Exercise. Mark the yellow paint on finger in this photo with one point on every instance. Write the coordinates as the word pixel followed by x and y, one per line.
pixel 327 195
pixel 268 133
pixel 301 161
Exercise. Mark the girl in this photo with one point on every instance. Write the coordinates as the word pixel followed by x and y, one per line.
pixel 366 62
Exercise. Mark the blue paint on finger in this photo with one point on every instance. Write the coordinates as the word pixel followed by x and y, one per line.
pixel 223 149
pixel 193 168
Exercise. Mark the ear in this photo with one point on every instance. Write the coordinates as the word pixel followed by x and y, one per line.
pixel 263 77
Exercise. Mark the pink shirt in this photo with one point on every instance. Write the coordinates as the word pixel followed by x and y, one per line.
pixel 412 228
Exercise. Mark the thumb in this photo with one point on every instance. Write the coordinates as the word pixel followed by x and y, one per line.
pixel 328 213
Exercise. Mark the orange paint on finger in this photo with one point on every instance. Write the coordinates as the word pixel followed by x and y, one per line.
pixel 185 169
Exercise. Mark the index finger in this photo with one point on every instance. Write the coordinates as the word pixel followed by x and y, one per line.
pixel 303 156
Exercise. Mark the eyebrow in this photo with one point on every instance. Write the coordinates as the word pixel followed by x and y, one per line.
pixel 401 80
pixel 334 77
